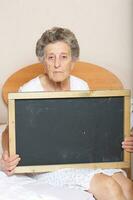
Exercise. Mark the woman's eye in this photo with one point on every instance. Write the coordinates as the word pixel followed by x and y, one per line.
pixel 51 58
pixel 64 57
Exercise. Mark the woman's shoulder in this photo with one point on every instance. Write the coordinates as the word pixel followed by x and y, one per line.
pixel 31 86
pixel 77 83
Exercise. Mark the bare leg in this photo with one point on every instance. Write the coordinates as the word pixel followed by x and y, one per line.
pixel 126 185
pixel 104 187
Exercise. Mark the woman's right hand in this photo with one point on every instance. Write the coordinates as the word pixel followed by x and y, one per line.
pixel 8 164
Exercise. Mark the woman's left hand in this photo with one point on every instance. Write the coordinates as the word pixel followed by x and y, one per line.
pixel 127 144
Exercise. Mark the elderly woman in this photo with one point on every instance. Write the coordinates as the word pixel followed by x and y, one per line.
pixel 58 50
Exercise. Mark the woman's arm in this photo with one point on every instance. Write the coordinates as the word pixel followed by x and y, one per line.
pixel 8 163
pixel 5 141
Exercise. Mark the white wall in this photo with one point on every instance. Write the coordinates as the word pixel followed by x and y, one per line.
pixel 104 29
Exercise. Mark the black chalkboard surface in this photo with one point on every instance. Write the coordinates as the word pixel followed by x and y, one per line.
pixel 69 130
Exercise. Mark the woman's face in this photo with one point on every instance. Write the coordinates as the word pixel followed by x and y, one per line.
pixel 58 61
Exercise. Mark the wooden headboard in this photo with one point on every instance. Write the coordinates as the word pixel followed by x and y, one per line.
pixel 97 77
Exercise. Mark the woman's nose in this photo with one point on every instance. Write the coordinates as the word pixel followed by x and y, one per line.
pixel 57 63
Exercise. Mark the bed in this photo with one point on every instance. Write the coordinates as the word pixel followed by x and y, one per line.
pixel 21 188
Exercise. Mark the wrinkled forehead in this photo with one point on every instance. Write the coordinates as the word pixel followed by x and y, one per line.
pixel 57 48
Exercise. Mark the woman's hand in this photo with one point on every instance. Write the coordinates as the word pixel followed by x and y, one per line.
pixel 8 164
pixel 127 144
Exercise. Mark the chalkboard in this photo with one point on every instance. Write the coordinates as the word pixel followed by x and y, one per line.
pixel 69 130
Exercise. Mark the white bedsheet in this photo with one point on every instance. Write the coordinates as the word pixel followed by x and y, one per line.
pixel 22 187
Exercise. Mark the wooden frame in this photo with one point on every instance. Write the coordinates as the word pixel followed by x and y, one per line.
pixel 100 93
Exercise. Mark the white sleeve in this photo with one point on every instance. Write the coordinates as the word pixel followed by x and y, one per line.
pixel 78 84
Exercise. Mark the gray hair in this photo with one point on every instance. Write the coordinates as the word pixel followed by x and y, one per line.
pixel 54 35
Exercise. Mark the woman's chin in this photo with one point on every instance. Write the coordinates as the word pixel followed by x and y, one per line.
pixel 58 79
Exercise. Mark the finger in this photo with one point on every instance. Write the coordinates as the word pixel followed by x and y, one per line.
pixel 13 158
pixel 12 163
pixel 6 157
pixel 9 173
pixel 10 168
pixel 129 139
pixel 129 150
pixel 127 144
pixel 127 147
